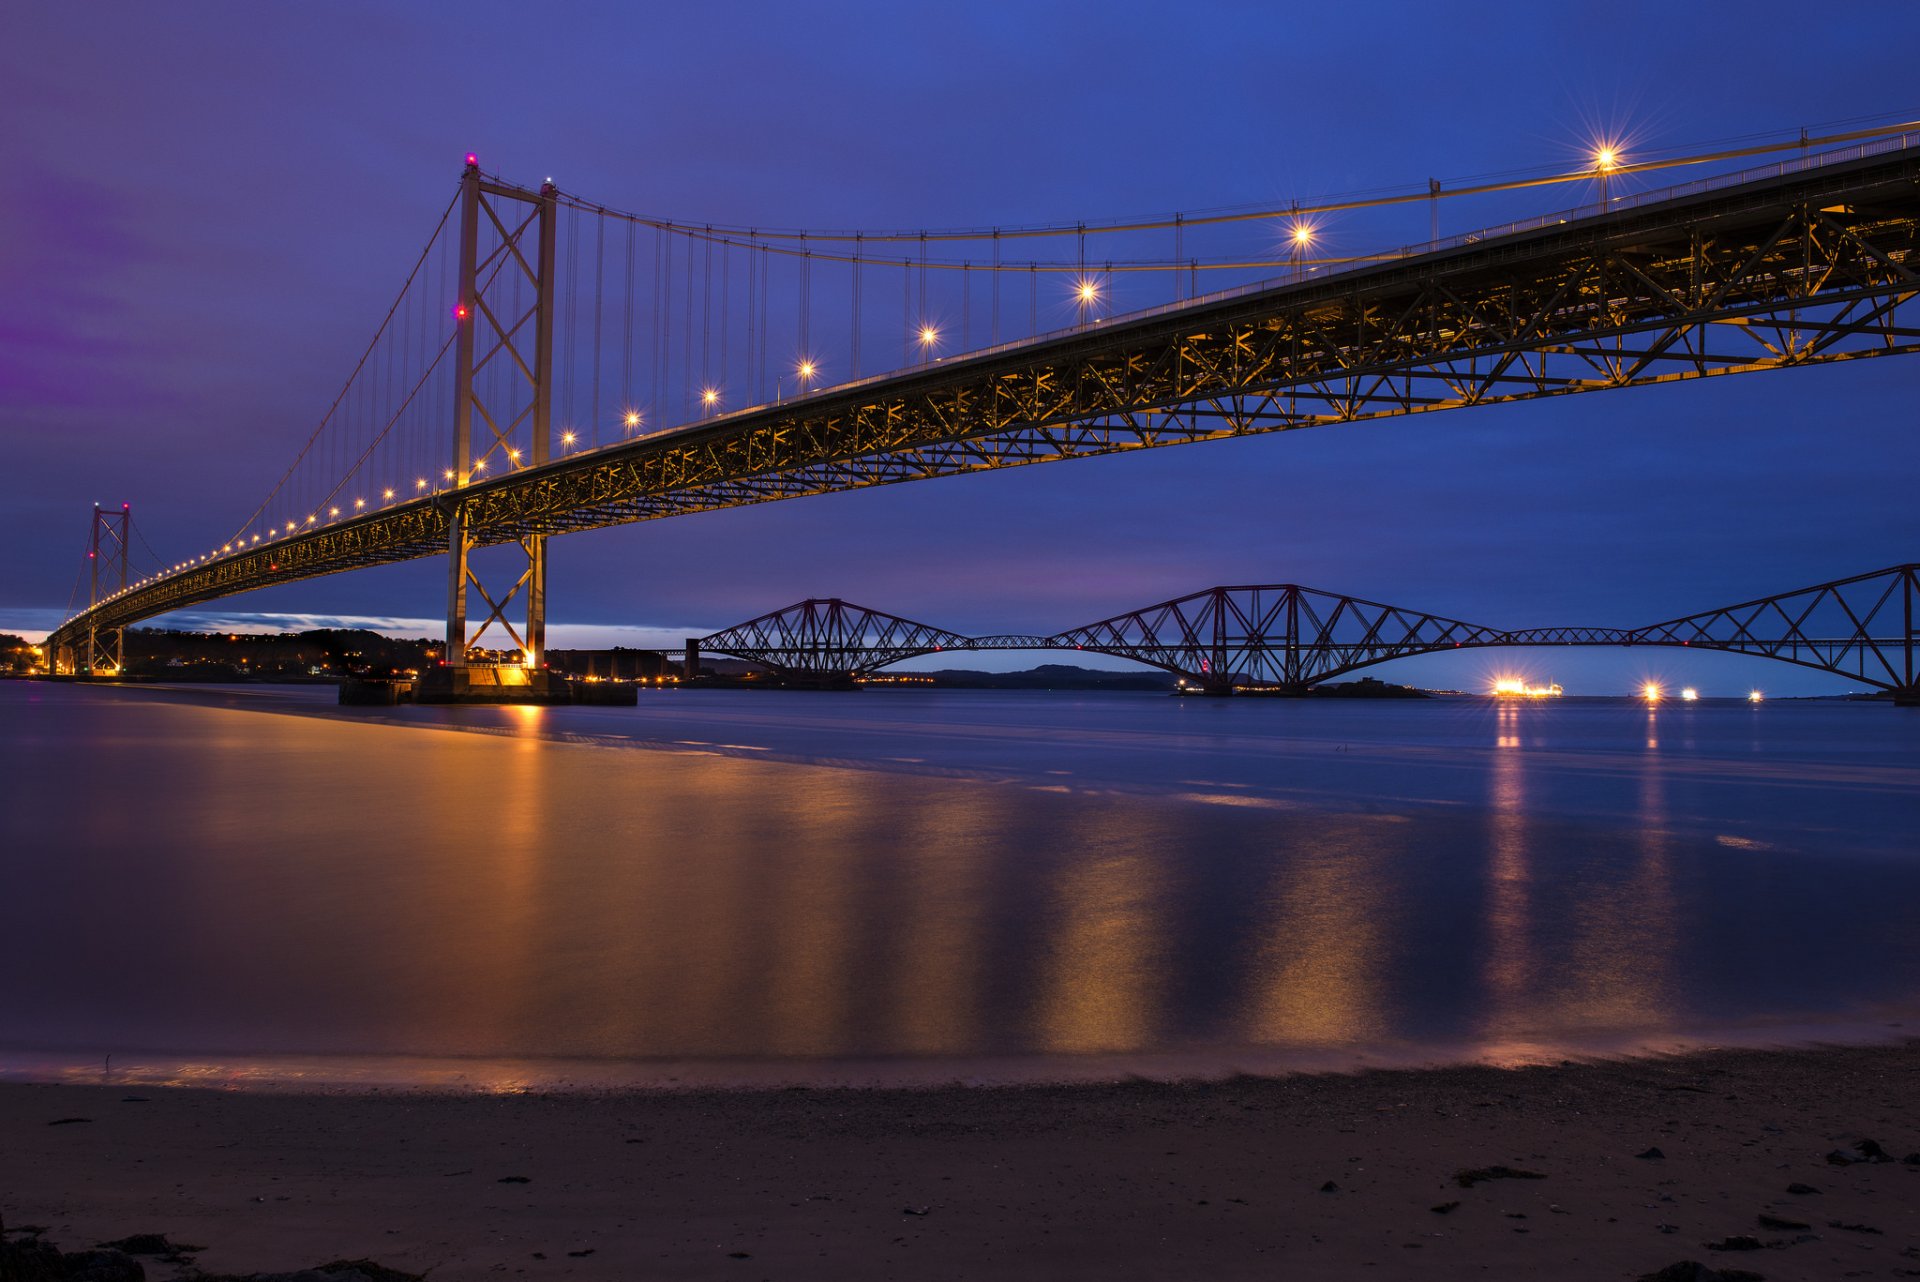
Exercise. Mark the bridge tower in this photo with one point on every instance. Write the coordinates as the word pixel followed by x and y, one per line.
pixel 505 314
pixel 106 558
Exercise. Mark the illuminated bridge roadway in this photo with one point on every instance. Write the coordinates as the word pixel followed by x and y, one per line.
pixel 1807 262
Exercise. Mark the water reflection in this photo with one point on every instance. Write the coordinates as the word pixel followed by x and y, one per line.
pixel 289 885
pixel 1509 948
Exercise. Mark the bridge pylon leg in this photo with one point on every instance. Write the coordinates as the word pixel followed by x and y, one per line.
pixel 507 251
pixel 106 647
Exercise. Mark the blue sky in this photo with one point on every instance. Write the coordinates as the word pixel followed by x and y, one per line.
pixel 208 206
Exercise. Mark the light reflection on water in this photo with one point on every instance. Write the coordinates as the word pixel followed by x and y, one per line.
pixel 1035 878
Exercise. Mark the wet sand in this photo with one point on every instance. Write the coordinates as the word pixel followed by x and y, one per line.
pixel 1323 1176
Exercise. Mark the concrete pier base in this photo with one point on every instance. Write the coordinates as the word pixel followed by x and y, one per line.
pixel 489 685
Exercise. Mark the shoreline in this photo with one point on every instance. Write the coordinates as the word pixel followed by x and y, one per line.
pixel 1227 1178
pixel 347 1074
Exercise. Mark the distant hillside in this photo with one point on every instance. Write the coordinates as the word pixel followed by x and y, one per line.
pixel 1048 676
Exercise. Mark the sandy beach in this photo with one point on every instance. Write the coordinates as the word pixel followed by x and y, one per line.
pixel 1612 1169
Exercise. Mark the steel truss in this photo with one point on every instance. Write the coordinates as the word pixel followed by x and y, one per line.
pixel 1808 268
pixel 830 638
pixel 1289 638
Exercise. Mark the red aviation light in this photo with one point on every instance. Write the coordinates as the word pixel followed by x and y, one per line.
pixel 460 311
pixel 472 159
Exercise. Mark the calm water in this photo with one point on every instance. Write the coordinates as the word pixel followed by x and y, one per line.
pixel 769 886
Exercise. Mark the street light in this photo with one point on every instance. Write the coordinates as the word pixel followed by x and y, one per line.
pixel 1299 240
pixel 928 336
pixel 1085 294
pixel 1606 159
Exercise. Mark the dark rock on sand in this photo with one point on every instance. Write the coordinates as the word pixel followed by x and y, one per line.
pixel 1852 1228
pixel 68 1121
pixel 1445 1208
pixel 33 1260
pixel 1694 1271
pixel 338 1271
pixel 1651 1155
pixel 1329 1187
pixel 152 1244
pixel 1799 1188
pixel 1739 1242
pixel 514 1179
pixel 1862 1151
pixel 1781 1222
pixel 1481 1174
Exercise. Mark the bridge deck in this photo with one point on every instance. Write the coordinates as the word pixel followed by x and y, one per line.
pixel 1800 268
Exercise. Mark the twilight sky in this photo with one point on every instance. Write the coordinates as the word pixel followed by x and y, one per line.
pixel 206 207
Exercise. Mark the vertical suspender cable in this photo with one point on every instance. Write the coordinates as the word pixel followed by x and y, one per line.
pixel 686 334
pixel 966 307
pixel 806 296
pixel 662 282
pixel 706 308
pixel 1179 254
pixel 626 346
pixel 753 301
pixel 995 328
pixel 855 366
pixel 726 300
pixel 599 298
pixel 573 276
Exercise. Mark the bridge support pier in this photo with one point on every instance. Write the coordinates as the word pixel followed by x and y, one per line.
pixel 1909 698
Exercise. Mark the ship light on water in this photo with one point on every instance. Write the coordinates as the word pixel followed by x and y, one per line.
pixel 1754 696
pixel 1518 688
pixel 1689 694
pixel 1650 692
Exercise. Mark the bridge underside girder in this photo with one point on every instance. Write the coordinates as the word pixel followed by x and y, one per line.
pixel 1813 267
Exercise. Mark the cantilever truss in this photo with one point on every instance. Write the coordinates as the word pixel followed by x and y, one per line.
pixel 1810 267
pixel 827 638
pixel 1284 635
pixel 1287 637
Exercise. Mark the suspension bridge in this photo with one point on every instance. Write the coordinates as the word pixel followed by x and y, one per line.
pixel 1285 638
pixel 552 365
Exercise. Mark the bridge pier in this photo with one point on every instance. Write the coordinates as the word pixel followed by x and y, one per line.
pixel 1909 698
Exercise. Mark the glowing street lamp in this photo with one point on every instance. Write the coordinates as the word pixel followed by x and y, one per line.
pixel 632 420
pixel 806 369
pixel 1606 159
pixel 1086 295
pixel 1299 240
pixel 567 439
pixel 709 397
pixel 928 337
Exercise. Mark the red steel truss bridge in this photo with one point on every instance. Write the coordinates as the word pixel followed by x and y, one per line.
pixel 1285 638
pixel 552 365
